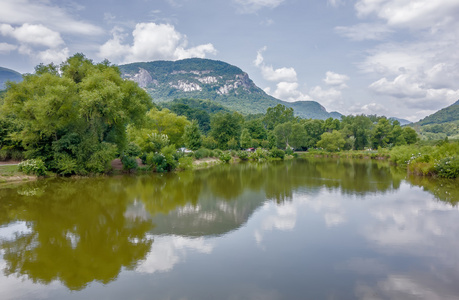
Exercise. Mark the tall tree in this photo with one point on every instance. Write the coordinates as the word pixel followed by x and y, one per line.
pixel 75 117
pixel 192 136
pixel 276 115
pixel 224 127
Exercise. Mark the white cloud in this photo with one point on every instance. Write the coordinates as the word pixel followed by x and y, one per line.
pixel 40 43
pixel 167 251
pixel 326 97
pixel 54 17
pixel 271 74
pixel 37 35
pixel 252 6
pixel 335 3
pixel 288 91
pixel 6 48
pixel 365 31
pixel 152 41
pixel 410 14
pixel 52 55
pixel 336 80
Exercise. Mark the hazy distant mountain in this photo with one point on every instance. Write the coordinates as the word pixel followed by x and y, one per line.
pixel 8 75
pixel 213 80
pixel 402 121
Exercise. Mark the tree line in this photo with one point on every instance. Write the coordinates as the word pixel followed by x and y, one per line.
pixel 78 116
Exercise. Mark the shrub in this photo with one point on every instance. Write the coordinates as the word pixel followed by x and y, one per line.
pixel 289 151
pixel 99 161
pixel 129 163
pixel 65 164
pixel 185 163
pixel 448 167
pixel 201 153
pixel 217 152
pixel 33 166
pixel 259 155
pixel 225 157
pixel 132 150
pixel 277 153
pixel 243 155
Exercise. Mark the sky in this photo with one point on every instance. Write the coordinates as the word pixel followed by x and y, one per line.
pixel 398 58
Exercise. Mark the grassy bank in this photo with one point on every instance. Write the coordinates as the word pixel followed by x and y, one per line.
pixel 440 160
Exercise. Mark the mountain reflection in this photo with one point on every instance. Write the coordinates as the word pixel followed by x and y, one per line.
pixel 86 230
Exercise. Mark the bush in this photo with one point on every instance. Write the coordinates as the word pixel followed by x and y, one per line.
pixel 201 153
pixel 99 161
pixel 65 164
pixel 217 153
pixel 185 163
pixel 259 155
pixel 33 166
pixel 132 150
pixel 129 163
pixel 289 151
pixel 225 157
pixel 243 155
pixel 448 167
pixel 277 153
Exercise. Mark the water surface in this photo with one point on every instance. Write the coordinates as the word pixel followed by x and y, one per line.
pixel 320 229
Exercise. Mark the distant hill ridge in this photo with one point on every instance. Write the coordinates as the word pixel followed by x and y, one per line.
pixel 8 75
pixel 214 80
pixel 447 114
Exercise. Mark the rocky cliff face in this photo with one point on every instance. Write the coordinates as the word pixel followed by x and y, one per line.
pixel 212 80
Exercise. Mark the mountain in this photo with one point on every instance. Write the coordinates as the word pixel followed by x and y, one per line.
pixel 444 123
pixel 401 121
pixel 213 80
pixel 8 75
pixel 447 114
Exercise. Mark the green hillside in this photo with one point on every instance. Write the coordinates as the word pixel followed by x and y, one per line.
pixel 8 75
pixel 212 80
pixel 444 123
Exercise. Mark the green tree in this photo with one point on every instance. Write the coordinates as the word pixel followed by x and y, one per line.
pixel 276 115
pixel 314 129
pixel 298 136
pixel 381 133
pixel 246 139
pixel 331 141
pixel 224 127
pixel 282 133
pixel 410 135
pixel 192 136
pixel 77 115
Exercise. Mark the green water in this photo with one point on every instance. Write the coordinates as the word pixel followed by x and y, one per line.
pixel 301 229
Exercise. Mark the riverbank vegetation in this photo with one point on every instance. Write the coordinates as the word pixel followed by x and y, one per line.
pixel 76 118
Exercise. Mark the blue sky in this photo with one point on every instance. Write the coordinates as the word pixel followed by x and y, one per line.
pixel 387 57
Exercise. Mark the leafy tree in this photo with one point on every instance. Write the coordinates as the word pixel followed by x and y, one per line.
pixel 381 133
pixel 282 133
pixel 246 139
pixel 410 135
pixel 233 144
pixel 224 127
pixel 298 136
pixel 74 117
pixel 256 129
pixel 192 136
pixel 314 130
pixel 209 142
pixel 276 115
pixel 331 141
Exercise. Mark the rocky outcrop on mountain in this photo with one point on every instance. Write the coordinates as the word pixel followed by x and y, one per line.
pixel 211 80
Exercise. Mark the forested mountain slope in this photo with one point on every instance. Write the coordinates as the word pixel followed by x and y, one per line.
pixel 211 80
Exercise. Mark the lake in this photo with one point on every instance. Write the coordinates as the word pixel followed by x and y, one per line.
pixel 299 229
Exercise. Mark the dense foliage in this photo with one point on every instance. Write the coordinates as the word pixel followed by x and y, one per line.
pixel 73 116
